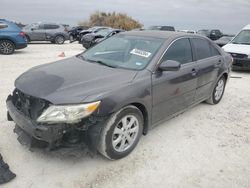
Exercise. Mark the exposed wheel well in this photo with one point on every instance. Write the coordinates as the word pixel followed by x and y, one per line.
pixel 144 111
pixel 225 76
pixel 9 41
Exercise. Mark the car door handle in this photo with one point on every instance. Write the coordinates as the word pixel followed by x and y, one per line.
pixel 218 63
pixel 194 72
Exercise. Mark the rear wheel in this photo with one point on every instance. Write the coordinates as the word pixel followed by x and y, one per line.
pixel 218 91
pixel 121 133
pixel 7 47
pixel 59 39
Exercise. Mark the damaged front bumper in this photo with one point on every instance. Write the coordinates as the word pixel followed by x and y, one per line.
pixel 52 136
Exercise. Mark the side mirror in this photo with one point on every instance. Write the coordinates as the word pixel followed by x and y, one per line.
pixel 170 65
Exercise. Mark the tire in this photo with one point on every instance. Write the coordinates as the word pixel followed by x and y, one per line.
pixel 28 38
pixel 218 91
pixel 7 47
pixel 116 133
pixel 59 39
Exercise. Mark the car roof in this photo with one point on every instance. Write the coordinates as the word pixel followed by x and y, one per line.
pixel 246 27
pixel 160 34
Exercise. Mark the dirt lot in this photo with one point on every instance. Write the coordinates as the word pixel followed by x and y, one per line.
pixel 207 146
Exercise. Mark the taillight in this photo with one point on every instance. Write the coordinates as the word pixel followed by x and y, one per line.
pixel 22 34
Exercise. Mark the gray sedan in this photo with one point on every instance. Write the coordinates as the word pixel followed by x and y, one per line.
pixel 115 92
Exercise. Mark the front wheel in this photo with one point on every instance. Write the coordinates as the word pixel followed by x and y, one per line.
pixel 59 39
pixel 121 133
pixel 218 91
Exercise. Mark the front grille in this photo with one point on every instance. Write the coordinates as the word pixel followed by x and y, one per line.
pixel 241 63
pixel 28 105
pixel 236 55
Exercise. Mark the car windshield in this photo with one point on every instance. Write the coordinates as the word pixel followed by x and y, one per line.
pixel 242 38
pixel 103 32
pixel 123 51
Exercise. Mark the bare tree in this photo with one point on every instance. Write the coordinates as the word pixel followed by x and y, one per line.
pixel 115 20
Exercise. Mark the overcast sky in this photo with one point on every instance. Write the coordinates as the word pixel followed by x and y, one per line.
pixel 228 15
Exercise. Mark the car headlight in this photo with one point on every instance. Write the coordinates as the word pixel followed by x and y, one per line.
pixel 248 56
pixel 67 113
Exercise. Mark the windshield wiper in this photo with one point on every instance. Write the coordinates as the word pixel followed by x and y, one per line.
pixel 103 63
pixel 100 62
pixel 97 61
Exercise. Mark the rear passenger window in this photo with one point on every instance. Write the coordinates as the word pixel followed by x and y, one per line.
pixel 50 26
pixel 214 51
pixel 3 25
pixel 179 51
pixel 202 48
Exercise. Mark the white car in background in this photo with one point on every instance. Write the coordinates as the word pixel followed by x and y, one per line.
pixel 239 48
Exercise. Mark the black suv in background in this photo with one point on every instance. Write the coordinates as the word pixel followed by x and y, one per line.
pixel 213 34
pixel 55 33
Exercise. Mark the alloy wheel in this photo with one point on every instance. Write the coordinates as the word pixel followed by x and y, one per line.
pixel 125 133
pixel 6 47
pixel 219 90
pixel 59 40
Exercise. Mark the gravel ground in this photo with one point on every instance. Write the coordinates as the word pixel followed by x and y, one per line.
pixel 207 146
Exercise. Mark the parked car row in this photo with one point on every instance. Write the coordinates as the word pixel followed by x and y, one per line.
pixel 13 38
pixel 91 36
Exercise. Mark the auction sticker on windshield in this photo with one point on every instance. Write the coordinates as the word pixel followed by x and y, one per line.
pixel 140 53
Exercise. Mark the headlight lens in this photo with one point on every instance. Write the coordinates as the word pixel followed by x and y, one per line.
pixel 67 113
pixel 249 56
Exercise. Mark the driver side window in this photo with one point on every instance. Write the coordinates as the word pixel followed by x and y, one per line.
pixel 179 51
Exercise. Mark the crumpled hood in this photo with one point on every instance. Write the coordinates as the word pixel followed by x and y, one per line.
pixel 90 37
pixel 237 48
pixel 71 80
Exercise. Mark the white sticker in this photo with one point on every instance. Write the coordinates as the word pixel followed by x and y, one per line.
pixel 140 53
pixel 138 63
